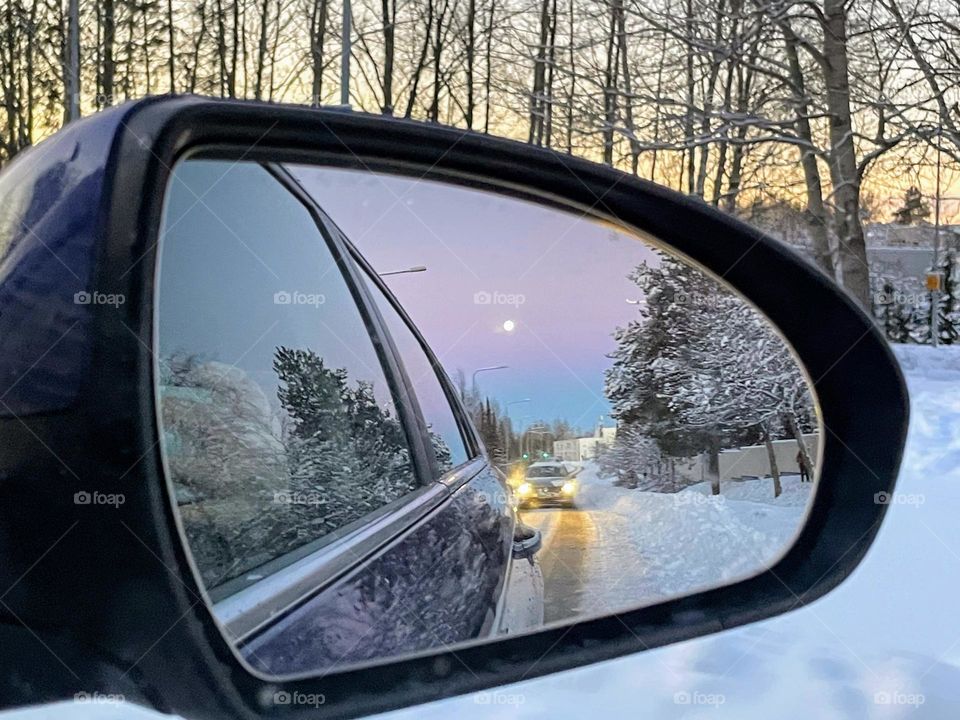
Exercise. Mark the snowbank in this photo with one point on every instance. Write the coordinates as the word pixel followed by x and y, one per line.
pixel 658 545
pixel 924 362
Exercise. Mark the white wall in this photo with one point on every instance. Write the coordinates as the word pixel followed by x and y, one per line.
pixel 752 460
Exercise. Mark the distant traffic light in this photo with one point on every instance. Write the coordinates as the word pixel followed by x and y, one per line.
pixel 526 456
pixel 545 454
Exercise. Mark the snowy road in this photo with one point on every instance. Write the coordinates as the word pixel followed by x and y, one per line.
pixel 618 548
pixel 568 536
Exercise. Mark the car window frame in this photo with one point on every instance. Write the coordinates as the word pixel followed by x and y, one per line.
pixel 249 608
pixel 468 433
pixel 465 427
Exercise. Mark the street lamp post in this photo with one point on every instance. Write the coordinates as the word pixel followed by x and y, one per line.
pixel 414 269
pixel 345 50
pixel 473 382
pixel 935 293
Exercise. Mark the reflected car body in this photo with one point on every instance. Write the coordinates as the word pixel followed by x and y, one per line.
pixel 393 585
pixel 547 483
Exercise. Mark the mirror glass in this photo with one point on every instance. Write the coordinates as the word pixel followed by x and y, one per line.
pixel 400 415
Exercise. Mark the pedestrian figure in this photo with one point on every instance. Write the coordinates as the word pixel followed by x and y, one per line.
pixel 804 470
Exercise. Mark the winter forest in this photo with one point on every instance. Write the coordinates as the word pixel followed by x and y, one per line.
pixel 810 119
pixel 813 120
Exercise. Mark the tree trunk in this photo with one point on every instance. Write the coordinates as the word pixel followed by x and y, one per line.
pixel 108 71
pixel 843 160
pixel 171 40
pixel 627 87
pixel 421 61
pixel 610 91
pixel 551 66
pixel 772 457
pixel 572 69
pixel 261 49
pixel 690 89
pixel 389 10
pixel 488 68
pixel 471 52
pixel 537 100
pixel 318 33
pixel 816 215
pixel 713 465
pixel 716 61
pixel 71 64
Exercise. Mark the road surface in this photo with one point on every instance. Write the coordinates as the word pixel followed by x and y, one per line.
pixel 568 536
pixel 588 568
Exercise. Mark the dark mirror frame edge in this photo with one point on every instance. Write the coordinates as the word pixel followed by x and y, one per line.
pixel 192 670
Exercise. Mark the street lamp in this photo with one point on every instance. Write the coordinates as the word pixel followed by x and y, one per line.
pixel 414 269
pixel 476 372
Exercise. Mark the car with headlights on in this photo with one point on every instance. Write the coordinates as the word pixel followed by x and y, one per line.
pixel 549 483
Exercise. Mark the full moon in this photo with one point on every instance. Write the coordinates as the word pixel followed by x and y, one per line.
pixel 509 325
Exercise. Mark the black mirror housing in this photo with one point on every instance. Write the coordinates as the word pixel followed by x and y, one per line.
pixel 83 420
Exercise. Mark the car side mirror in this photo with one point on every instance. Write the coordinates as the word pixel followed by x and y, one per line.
pixel 527 541
pixel 186 399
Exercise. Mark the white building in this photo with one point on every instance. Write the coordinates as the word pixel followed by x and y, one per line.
pixel 584 448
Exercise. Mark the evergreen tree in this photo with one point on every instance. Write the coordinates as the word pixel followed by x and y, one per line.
pixel 345 452
pixel 701 370
pixel 949 305
pixel 914 209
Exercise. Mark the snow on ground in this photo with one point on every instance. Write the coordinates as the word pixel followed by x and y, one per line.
pixel 885 644
pixel 655 545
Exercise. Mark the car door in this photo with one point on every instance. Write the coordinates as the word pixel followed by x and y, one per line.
pixel 333 495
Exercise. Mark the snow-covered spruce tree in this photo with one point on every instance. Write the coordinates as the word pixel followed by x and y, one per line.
pixel 902 306
pixel 744 380
pixel 701 370
pixel 489 427
pixel 949 305
pixel 894 315
pixel 915 208
pixel 347 455
pixel 646 346
pixel 635 461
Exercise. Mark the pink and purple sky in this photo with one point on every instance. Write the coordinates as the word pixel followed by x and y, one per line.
pixel 561 278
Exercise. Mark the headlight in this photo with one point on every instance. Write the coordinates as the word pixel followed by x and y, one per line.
pixel 568 488
pixel 524 489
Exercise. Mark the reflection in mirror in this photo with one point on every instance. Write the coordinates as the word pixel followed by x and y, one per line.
pixel 399 415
